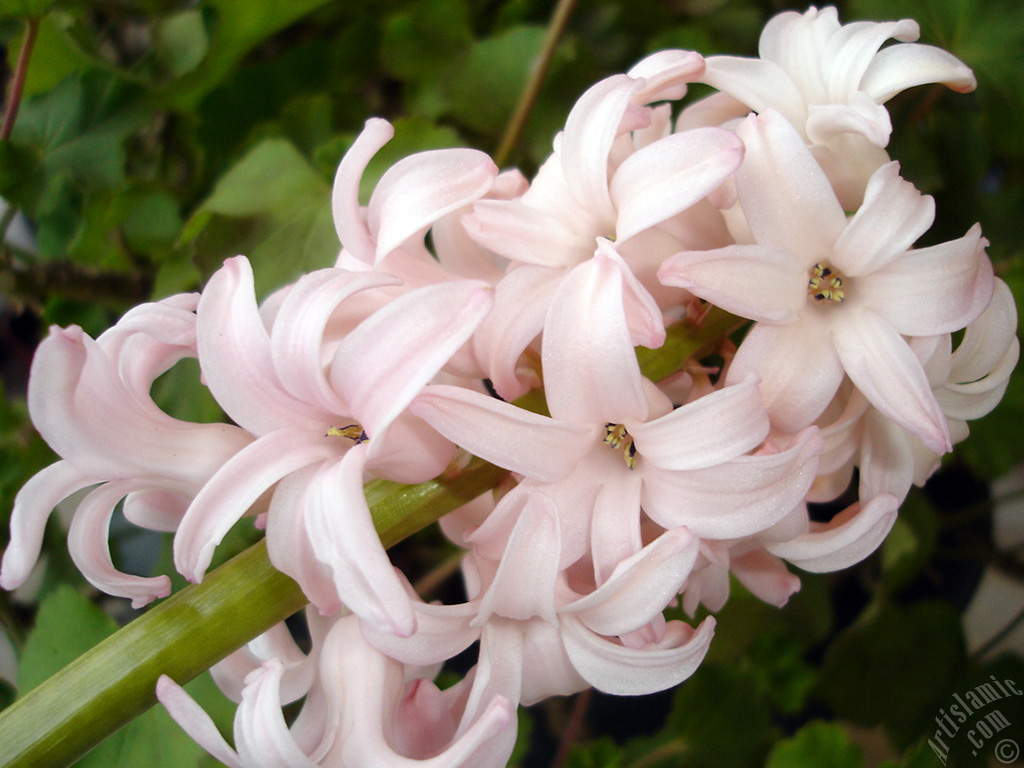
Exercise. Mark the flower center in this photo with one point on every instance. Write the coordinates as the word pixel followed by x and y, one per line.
pixel 825 284
pixel 352 432
pixel 616 436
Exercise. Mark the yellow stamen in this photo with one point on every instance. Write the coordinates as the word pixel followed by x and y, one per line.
pixel 352 432
pixel 825 284
pixel 615 435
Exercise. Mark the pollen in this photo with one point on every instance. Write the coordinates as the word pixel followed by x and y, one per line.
pixel 352 432
pixel 825 284
pixel 615 437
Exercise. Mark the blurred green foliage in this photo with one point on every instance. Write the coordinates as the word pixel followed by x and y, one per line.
pixel 157 137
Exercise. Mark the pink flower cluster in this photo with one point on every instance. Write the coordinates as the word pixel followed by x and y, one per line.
pixel 773 199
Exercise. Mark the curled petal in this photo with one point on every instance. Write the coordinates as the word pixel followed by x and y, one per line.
pixel 666 74
pixel 194 721
pixel 848 538
pixel 419 189
pixel 522 233
pixel 32 507
pixel 235 356
pixel 616 669
pixel 348 218
pixel 261 735
pixel 667 177
pixel 89 547
pixel 344 539
pixel 898 67
pixel 236 487
pixel 640 587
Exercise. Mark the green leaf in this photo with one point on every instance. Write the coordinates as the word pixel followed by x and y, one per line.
pixel 721 717
pixel 816 745
pixel 597 753
pixel 181 41
pixel 273 207
pixel 25 8
pixel 237 28
pixel 423 39
pixel 482 93
pixel 67 625
pixel 80 127
pixel 893 665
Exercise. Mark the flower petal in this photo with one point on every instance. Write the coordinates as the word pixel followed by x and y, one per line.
pixel 898 67
pixel 591 375
pixel 348 217
pixel 708 431
pixel 848 538
pixel 622 671
pixel 889 375
pixel 762 283
pixel 535 446
pixel 381 365
pixel 421 188
pixel 90 549
pixel 341 529
pixel 194 721
pixel 668 176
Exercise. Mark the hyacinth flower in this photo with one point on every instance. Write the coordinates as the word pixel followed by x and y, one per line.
pixel 319 427
pixel 834 296
pixel 363 709
pixel 90 400
pixel 614 443
pixel 830 80
pixel 616 173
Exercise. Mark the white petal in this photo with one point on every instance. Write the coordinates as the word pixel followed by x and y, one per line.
pixel 899 67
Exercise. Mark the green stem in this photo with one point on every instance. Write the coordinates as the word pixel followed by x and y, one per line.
pixel 68 714
pixel 687 340
pixel 516 126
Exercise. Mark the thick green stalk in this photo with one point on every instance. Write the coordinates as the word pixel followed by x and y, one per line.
pixel 113 683
pixel 184 635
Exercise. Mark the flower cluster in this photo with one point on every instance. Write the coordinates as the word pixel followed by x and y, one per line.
pixel 473 311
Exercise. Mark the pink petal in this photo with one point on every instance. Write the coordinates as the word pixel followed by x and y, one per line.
pixel 762 283
pixel 90 549
pixel 615 520
pixel 348 218
pixel 590 130
pixel 237 486
pixel 591 375
pixel 381 366
pixel 643 316
pixel 261 735
pixel 521 233
pixel 442 631
pixel 410 451
pixel 798 369
pixel 708 431
pixel 615 669
pixel 929 291
pixel 889 375
pixel 765 576
pixel 640 587
pixel 899 67
pixel 892 217
pixel 851 536
pixel 296 341
pixel 235 355
pixel 758 84
pixel 666 74
pixel 664 178
pixel 290 545
pixel 194 721
pixel 535 446
pixel 786 197
pixel 521 302
pixel 421 188
pixel 739 498
pixel 32 507
pixel 341 530
pixel 524 585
